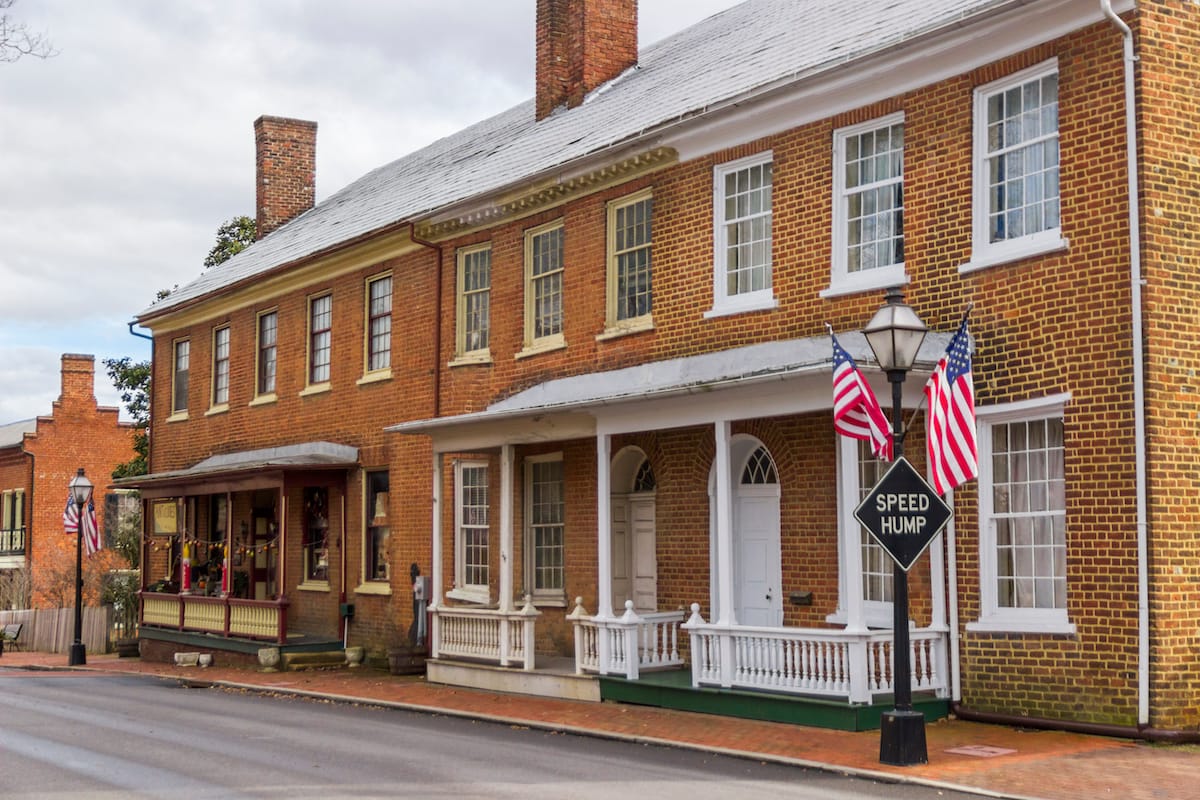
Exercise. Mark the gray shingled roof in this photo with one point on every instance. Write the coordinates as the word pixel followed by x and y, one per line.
pixel 13 433
pixel 732 55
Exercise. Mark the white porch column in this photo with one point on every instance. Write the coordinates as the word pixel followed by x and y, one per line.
pixel 724 502
pixel 437 568
pixel 604 526
pixel 507 456
pixel 851 535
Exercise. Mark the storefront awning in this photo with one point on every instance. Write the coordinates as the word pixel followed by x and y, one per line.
pixel 247 469
pixel 567 407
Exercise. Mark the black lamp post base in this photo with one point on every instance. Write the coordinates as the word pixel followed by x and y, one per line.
pixel 902 738
pixel 77 656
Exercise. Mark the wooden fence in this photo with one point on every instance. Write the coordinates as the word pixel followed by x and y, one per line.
pixel 52 630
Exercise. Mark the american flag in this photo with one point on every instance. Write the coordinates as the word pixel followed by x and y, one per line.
pixel 856 412
pixel 91 533
pixel 950 423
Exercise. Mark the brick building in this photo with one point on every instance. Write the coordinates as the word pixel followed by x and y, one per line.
pixel 592 330
pixel 38 458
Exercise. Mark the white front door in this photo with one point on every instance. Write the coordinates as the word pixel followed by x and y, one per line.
pixel 622 576
pixel 644 561
pixel 758 574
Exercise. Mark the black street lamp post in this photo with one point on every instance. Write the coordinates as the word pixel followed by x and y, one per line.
pixel 895 334
pixel 81 492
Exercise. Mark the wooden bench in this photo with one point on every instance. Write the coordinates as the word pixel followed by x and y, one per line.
pixel 10 634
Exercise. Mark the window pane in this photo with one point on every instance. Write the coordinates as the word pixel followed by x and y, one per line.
pixel 747 229
pixel 632 259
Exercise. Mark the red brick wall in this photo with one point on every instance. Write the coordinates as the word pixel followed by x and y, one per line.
pixel 77 433
pixel 1168 70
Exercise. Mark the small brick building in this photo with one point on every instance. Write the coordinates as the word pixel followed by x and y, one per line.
pixel 592 330
pixel 38 459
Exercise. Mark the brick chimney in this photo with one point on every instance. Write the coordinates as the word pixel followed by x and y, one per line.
pixel 285 161
pixel 581 44
pixel 78 379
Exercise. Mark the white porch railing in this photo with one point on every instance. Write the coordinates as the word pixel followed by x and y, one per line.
pixel 606 645
pixel 501 637
pixel 831 663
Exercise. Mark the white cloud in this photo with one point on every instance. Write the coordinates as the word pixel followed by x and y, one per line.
pixel 121 156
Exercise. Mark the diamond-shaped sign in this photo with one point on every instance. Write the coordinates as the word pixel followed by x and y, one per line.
pixel 903 513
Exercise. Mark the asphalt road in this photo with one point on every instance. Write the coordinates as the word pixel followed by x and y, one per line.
pixel 66 735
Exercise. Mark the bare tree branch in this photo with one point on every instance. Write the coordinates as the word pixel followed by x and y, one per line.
pixel 17 40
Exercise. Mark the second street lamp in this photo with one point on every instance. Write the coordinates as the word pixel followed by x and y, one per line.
pixel 895 334
pixel 81 493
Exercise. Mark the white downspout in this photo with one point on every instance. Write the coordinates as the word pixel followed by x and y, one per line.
pixel 1139 391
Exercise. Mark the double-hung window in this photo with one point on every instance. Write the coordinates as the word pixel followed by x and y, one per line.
pixel 868 206
pixel 742 236
pixel 1023 518
pixel 316 535
pixel 12 523
pixel 379 324
pixel 1016 200
pixel 320 338
pixel 268 329
pixel 471 525
pixel 220 367
pixel 865 575
pixel 182 354
pixel 375 546
pixel 545 533
pixel 474 303
pixel 544 257
pixel 629 294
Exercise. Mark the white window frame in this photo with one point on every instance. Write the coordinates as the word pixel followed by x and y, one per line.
pixel 753 300
pixel 374 583
pixel 385 371
pixel 552 341
pixel 875 613
pixel 463 354
pixel 312 386
pixel 259 395
pixel 180 412
pixel 220 369
pixel 993 618
pixel 552 596
pixel 842 280
pixel 985 253
pixel 614 325
pixel 470 592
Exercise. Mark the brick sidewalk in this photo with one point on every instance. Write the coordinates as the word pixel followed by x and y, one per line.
pixel 1002 761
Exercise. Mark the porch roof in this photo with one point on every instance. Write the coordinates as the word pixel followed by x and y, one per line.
pixel 228 466
pixel 788 360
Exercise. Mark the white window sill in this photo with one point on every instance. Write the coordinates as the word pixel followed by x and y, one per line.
pixel 316 388
pixel 478 596
pixel 1016 625
pixel 545 345
pixel 865 281
pixel 626 327
pixel 1015 250
pixel 314 586
pixel 374 587
pixel 375 377
pixel 871 618
pixel 221 409
pixel 756 301
pixel 473 358
pixel 178 416
pixel 550 601
pixel 263 399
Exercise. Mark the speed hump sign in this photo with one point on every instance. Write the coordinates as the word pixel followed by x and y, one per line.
pixel 903 513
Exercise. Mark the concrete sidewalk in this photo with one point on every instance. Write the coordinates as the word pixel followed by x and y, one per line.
pixel 988 759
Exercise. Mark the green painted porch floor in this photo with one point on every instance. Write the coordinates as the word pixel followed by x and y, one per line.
pixel 673 689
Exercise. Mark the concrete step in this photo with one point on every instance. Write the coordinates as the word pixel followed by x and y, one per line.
pixel 552 682
pixel 291 662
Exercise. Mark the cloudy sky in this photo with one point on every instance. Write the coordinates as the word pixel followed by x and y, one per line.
pixel 121 156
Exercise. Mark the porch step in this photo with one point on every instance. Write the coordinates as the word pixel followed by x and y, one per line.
pixel 291 662
pixel 550 679
pixel 673 689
